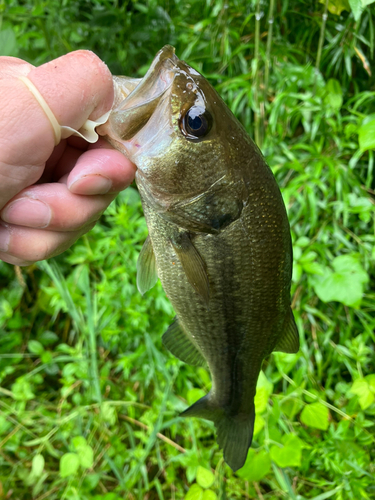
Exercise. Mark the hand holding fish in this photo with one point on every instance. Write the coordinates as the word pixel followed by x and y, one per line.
pixel 219 237
pixel 53 190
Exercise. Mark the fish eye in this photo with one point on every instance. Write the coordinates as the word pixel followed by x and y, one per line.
pixel 196 122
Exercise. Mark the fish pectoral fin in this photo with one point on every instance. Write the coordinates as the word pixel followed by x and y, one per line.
pixel 193 265
pixel 181 346
pixel 147 275
pixel 289 341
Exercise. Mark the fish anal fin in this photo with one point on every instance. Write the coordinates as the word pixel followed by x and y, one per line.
pixel 234 432
pixel 147 275
pixel 181 346
pixel 289 340
pixel 193 265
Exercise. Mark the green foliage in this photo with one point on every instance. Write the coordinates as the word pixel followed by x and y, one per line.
pixel 315 415
pixel 290 454
pixel 257 466
pixel 89 398
pixel 364 388
pixel 345 284
pixel 204 477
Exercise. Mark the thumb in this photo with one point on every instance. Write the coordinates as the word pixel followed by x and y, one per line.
pixel 76 87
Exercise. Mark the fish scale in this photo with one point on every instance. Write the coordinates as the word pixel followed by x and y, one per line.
pixel 219 239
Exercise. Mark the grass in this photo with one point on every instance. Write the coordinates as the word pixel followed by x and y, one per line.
pixel 89 398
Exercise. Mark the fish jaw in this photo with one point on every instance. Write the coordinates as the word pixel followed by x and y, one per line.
pixel 134 105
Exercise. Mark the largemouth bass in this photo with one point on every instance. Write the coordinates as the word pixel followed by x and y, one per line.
pixel 219 237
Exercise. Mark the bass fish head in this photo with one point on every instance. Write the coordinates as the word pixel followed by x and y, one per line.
pixel 176 128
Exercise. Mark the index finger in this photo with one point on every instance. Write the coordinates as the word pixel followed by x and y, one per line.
pixel 76 87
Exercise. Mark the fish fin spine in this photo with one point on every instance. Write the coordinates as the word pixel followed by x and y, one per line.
pixel 234 432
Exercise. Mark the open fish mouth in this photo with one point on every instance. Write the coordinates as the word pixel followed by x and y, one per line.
pixel 137 99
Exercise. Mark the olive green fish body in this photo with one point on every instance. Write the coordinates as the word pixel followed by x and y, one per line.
pixel 219 241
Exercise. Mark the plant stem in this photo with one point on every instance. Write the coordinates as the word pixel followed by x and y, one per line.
pixel 92 345
pixel 158 434
pixel 2 8
pixel 321 40
pixel 268 50
pixel 256 75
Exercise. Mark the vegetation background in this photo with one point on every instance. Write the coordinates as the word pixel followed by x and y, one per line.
pixel 89 398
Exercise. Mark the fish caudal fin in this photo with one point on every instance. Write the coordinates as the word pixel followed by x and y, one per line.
pixel 234 432
pixel 234 436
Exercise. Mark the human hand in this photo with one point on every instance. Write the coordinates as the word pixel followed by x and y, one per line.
pixel 50 196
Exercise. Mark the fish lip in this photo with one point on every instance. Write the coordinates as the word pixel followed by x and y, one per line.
pixel 164 64
pixel 131 114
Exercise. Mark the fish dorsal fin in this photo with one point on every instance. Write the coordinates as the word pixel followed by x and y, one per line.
pixel 147 275
pixel 193 265
pixel 289 340
pixel 181 346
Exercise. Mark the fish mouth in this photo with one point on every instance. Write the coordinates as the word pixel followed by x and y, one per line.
pixel 130 115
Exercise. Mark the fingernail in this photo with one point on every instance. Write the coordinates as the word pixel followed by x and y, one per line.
pixel 4 238
pixel 91 184
pixel 27 212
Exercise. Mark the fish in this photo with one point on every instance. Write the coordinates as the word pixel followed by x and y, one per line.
pixel 219 237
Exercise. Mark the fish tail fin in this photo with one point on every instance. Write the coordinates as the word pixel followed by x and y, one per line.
pixel 234 432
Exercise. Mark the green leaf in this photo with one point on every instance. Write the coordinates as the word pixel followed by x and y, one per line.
pixel 8 44
pixel 35 347
pixel 91 481
pixel 37 465
pixel 291 406
pixel 258 424
pixel 195 493
pixel 22 389
pixel 364 388
pixel 346 284
pixel 290 455
pixel 286 456
pixel 261 400
pixel 86 456
pixel 315 415
pixel 371 381
pixel 350 264
pixel 84 451
pixel 357 8
pixel 264 390
pixel 108 413
pixel 334 94
pixel 366 135
pixel 313 268
pixel 337 6
pixel 285 362
pixel 209 495
pixel 264 382
pixel 204 477
pixel 78 442
pixel 257 465
pixel 69 464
